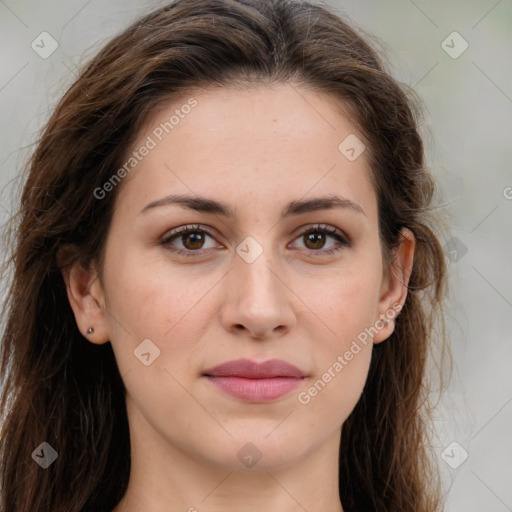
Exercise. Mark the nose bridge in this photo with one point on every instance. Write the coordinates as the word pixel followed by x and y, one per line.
pixel 259 280
pixel 258 298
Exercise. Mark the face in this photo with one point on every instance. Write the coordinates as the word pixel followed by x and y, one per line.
pixel 281 260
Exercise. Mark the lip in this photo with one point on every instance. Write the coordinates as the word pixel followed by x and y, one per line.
pixel 255 382
pixel 253 370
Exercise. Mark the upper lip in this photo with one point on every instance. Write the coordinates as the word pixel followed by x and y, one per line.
pixel 254 370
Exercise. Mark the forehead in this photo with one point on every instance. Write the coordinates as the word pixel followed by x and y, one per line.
pixel 269 144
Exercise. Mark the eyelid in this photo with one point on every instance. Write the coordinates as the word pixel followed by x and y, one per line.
pixel 342 240
pixel 327 228
pixel 189 228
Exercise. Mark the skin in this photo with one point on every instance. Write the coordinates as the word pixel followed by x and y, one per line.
pixel 256 150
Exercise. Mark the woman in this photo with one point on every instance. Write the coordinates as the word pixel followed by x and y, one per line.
pixel 226 276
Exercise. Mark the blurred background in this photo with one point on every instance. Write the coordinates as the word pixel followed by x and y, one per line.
pixel 456 55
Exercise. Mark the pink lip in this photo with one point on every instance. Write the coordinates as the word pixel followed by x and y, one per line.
pixel 255 382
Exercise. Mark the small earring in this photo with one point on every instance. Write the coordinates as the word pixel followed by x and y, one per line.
pixel 385 321
pixel 90 330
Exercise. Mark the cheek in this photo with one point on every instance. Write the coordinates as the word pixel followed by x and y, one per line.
pixel 331 395
pixel 345 307
pixel 345 302
pixel 150 295
pixel 165 308
pixel 153 302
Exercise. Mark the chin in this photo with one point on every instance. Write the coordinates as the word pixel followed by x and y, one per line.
pixel 258 453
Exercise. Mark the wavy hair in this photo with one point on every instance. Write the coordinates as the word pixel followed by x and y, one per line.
pixel 59 388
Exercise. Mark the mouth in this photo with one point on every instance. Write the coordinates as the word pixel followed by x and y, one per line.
pixel 255 382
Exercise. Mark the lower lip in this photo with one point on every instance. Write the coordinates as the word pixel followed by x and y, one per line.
pixel 256 390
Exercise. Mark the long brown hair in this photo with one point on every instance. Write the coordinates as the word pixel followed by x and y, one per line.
pixel 60 389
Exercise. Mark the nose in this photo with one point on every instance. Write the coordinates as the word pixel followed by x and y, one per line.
pixel 257 299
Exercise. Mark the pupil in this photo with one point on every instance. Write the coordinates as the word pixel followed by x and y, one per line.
pixel 316 238
pixel 194 238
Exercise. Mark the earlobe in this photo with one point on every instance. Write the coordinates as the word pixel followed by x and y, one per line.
pixel 86 298
pixel 395 287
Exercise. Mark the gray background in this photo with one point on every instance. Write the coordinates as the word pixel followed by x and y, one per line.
pixel 468 122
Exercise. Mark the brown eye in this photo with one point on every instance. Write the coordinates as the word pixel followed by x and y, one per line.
pixel 193 240
pixel 317 240
pixel 188 241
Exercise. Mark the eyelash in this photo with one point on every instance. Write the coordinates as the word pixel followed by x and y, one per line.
pixel 327 230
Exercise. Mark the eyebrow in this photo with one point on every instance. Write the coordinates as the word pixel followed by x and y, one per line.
pixel 206 205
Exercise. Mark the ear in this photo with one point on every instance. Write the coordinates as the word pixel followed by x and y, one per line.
pixel 394 285
pixel 85 296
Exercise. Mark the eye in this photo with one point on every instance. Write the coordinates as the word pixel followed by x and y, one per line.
pixel 192 239
pixel 315 240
